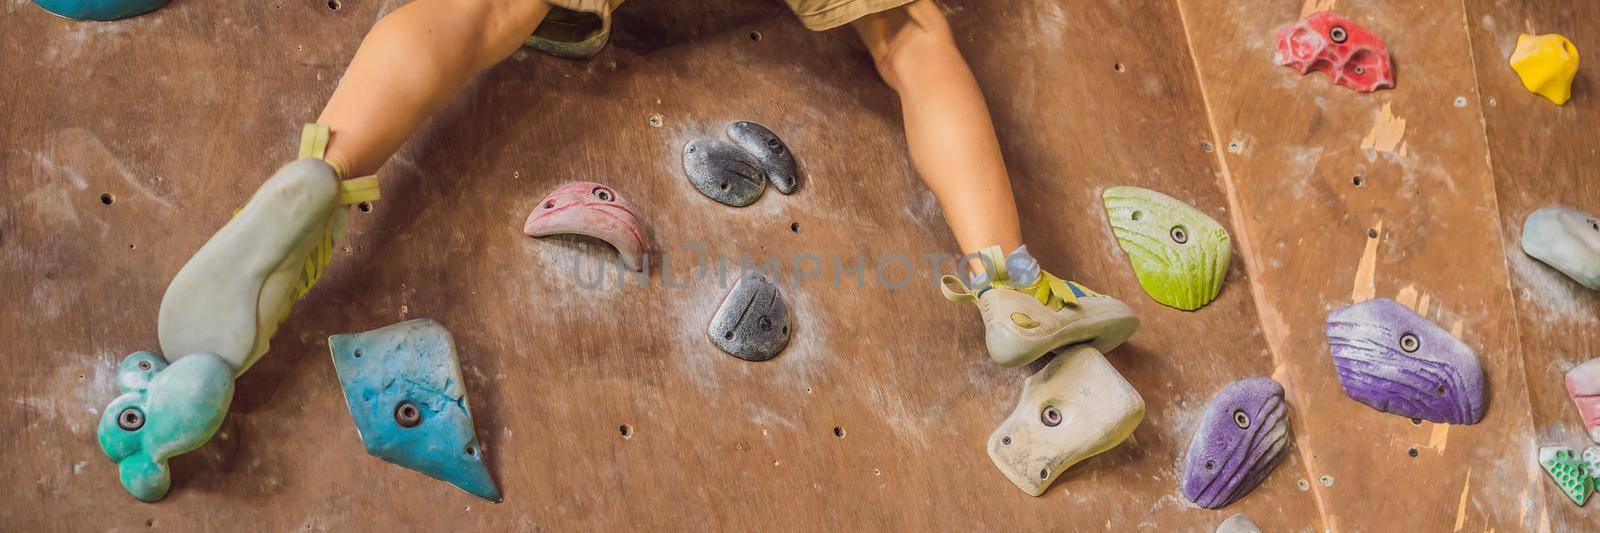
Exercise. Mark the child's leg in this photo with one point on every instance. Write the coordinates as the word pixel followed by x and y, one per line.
pixel 954 148
pixel 410 64
pixel 947 123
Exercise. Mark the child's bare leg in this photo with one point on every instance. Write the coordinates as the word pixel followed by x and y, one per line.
pixel 410 64
pixel 954 148
pixel 952 141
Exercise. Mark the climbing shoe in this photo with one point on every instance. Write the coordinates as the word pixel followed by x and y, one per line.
pixel 570 34
pixel 231 296
pixel 1024 322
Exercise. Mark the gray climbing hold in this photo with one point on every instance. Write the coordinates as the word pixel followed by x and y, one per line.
pixel 753 321
pixel 724 172
pixel 1238 524
pixel 1566 239
pixel 774 155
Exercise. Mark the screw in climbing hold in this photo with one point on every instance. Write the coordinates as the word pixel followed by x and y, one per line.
pixel 1461 101
pixel 1327 480
pixel 1206 146
pixel 407 415
pixel 656 120
pixel 1304 486
pixel 1235 146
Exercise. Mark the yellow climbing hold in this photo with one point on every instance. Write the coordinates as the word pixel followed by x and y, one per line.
pixel 1546 63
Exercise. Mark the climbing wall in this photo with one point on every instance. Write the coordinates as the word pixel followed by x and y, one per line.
pixel 1541 155
pixel 124 145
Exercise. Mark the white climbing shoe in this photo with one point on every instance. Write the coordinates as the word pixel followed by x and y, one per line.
pixel 1021 324
pixel 231 296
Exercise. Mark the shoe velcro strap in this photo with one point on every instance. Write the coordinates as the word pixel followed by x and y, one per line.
pixel 314 145
pixel 954 290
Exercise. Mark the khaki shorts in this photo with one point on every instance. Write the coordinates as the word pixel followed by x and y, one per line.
pixel 817 15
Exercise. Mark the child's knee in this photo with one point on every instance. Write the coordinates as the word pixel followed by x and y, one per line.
pixel 902 38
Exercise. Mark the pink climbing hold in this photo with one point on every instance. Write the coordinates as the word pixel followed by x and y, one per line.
pixel 1326 42
pixel 594 210
pixel 1583 383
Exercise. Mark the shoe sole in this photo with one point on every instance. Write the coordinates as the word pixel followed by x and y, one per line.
pixel 1104 329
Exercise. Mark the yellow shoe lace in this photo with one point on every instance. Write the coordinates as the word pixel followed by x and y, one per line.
pixel 1051 291
pixel 314 145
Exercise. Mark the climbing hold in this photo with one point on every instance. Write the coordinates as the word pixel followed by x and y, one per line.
pixel 1568 471
pixel 1591 461
pixel 594 210
pixel 774 155
pixel 1396 361
pixel 1583 385
pixel 1179 254
pixel 753 321
pixel 570 34
pixel 1074 408
pixel 1546 64
pixel 1566 239
pixel 164 411
pixel 1241 438
pixel 1327 42
pixel 724 172
pixel 403 385
pixel 1238 523
pixel 100 10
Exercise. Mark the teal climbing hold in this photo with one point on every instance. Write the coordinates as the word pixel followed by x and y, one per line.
pixel 100 10
pixel 1179 254
pixel 403 385
pixel 164 411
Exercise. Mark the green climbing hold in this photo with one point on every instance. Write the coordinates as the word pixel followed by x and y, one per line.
pixel 1568 472
pixel 1179 254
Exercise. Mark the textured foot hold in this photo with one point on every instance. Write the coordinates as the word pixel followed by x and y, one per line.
pixel 1326 42
pixel 1546 64
pixel 1242 436
pixel 1566 239
pixel 774 155
pixel 753 321
pixel 403 386
pixel 1583 385
pixel 1396 361
pixel 1179 254
pixel 724 172
pixel 164 411
pixel 1568 471
pixel 594 210
pixel 100 10
pixel 1074 408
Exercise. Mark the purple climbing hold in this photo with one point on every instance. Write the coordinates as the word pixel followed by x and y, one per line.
pixel 1396 361
pixel 1242 436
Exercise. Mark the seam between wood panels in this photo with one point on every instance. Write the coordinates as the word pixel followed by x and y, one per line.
pixel 1257 292
pixel 1500 233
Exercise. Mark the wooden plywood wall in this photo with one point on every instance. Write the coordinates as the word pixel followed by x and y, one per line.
pixel 179 114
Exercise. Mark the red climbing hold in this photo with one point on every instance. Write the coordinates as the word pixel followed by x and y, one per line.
pixel 1327 42
pixel 595 210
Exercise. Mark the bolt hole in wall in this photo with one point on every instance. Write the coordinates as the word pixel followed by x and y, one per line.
pixel 838 432
pixel 333 5
pixel 755 36
pixel 108 198
pixel 625 430
pixel 1357 181
pixel 365 207
pixel 794 227
pixel 1372 234
pixel 1119 68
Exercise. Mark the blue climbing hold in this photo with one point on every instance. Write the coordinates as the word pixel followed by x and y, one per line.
pixel 100 9
pixel 403 386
